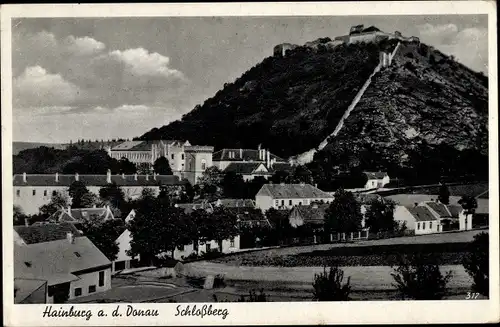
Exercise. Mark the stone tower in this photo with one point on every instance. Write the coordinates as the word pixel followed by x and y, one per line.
pixel 198 158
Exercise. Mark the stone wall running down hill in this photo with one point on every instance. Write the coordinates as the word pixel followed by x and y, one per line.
pixel 423 96
pixel 289 104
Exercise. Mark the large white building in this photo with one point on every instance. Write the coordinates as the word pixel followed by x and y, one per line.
pixel 31 191
pixel 286 196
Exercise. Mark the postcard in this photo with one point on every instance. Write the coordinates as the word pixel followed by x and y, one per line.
pixel 250 163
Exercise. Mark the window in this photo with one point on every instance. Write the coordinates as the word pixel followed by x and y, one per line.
pixel 203 164
pixel 306 202
pixel 45 193
pixel 418 225
pixel 207 247
pixel 300 203
pixel 77 254
pixel 78 291
pixel 423 225
pixel 430 225
pixel 290 202
pixel 54 193
pixel 182 156
pixel 92 289
pixel 173 156
pixel 282 203
pixel 34 192
pixel 181 247
pixel 231 242
pixel 277 203
pixel 18 192
pixel 101 278
pixel 28 264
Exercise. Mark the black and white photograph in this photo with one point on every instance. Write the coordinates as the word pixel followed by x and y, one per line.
pixel 196 161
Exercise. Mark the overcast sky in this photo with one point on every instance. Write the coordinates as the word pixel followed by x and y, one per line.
pixel 119 77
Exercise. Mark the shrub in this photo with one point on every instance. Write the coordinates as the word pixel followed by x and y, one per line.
pixel 418 277
pixel 254 297
pixel 476 263
pixel 328 285
pixel 219 281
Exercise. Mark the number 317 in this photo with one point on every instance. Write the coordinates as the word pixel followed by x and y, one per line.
pixel 472 296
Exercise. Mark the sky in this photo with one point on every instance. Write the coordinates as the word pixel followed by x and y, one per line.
pixel 104 78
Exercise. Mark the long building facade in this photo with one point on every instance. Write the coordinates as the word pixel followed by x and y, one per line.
pixel 31 191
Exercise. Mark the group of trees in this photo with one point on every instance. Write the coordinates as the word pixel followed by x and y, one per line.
pixel 416 277
pixel 159 227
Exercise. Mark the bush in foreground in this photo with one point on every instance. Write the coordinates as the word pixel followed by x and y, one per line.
pixel 476 263
pixel 418 278
pixel 328 285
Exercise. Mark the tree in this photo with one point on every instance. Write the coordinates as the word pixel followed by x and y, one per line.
pixel 380 216
pixel 113 196
pixel 233 186
pixel 162 166
pixel 104 234
pixel 328 285
pixel 280 176
pixel 19 216
pixel 158 228
pixel 444 194
pixel 301 174
pixel 126 167
pixel 476 263
pixel 58 200
pixel 76 191
pixel 344 213
pixel 89 200
pixel 210 183
pixel 418 277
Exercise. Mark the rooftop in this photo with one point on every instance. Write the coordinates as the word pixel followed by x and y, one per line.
pixel 244 168
pixel 312 214
pixel 242 155
pixel 57 261
pixel 439 208
pixel 45 233
pixel 422 213
pixel 293 191
pixel 95 180
pixel 236 203
pixel 375 175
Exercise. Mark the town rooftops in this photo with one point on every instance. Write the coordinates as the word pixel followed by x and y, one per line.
pixel 375 175
pixel 293 191
pixel 243 155
pixel 57 261
pixel 45 233
pixel 367 197
pixel 190 207
pixel 439 208
pixel 244 168
pixel 235 203
pixel 311 214
pixel 95 180
pixel 82 214
pixel 422 213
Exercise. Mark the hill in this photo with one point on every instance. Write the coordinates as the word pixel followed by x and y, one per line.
pixel 20 146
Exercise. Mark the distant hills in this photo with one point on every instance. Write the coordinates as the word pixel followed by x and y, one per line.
pixel 20 146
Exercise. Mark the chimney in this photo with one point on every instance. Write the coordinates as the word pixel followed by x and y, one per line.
pixel 316 185
pixel 69 210
pixel 147 177
pixel 77 177
pixel 154 176
pixel 268 159
pixel 70 237
pixel 57 177
pixel 123 175
pixel 241 153
pixel 24 177
pixel 26 222
pixel 135 176
pixel 416 204
pixel 108 177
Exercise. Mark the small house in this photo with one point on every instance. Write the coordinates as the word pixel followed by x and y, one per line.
pixel 286 196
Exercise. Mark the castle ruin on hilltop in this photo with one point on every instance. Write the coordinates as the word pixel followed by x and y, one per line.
pixel 357 34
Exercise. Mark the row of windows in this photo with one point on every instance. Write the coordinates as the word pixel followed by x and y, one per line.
pixel 423 225
pixel 92 288
pixel 45 192
pixel 173 156
pixel 277 202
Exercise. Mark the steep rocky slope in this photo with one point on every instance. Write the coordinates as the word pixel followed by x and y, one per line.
pixel 424 96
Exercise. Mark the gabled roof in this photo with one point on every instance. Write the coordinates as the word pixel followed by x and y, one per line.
pixel 292 191
pixel 96 180
pixel 190 207
pixel 236 203
pixel 312 214
pixel 245 168
pixel 375 175
pixel 57 261
pixel 242 155
pixel 366 197
pixel 439 208
pixel 422 213
pixel 25 287
pixel 81 214
pixel 45 233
